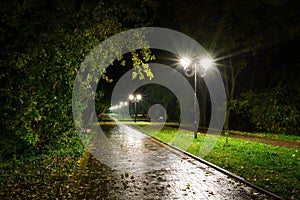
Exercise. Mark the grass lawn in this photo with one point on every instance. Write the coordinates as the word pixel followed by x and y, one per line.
pixel 273 168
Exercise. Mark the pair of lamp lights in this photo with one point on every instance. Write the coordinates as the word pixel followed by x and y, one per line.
pixel 202 66
pixel 137 97
pixel 120 105
pixel 123 104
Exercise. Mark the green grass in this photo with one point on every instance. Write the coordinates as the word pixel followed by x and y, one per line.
pixel 142 122
pixel 273 168
pixel 121 118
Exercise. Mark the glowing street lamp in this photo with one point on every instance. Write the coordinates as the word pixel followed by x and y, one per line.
pixel 122 106
pixel 185 62
pixel 206 63
pixel 195 69
pixel 135 99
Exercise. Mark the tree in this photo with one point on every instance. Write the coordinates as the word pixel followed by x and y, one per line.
pixel 274 109
pixel 42 46
pixel 233 31
pixel 157 94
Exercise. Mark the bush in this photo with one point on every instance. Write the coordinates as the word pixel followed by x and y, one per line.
pixel 274 110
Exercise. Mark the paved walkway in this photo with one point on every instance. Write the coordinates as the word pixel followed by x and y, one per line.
pixel 153 171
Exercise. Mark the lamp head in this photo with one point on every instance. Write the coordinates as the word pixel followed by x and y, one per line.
pixel 185 62
pixel 130 97
pixel 138 97
pixel 206 63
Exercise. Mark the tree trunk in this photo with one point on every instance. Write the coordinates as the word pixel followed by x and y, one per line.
pixel 226 123
pixel 229 91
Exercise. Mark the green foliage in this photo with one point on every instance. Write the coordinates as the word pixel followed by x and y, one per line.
pixel 42 46
pixel 139 59
pixel 274 110
pixel 158 94
pixel 100 104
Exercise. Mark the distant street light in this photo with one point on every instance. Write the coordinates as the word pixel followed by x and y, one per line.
pixel 195 68
pixel 122 106
pixel 119 109
pixel 135 99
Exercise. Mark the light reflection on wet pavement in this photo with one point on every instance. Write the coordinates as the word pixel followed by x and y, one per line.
pixel 153 171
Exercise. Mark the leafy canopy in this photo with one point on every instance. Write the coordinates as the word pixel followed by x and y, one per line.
pixel 42 46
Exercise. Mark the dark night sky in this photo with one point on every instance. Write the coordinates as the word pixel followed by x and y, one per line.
pixel 264 69
pixel 271 60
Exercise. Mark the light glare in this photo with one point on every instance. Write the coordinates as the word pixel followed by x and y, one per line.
pixel 138 97
pixel 131 97
pixel 206 63
pixel 185 62
pixel 135 97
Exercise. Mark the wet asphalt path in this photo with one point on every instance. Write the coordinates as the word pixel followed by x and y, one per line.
pixel 153 171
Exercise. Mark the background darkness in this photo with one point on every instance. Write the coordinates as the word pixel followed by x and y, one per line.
pixel 274 60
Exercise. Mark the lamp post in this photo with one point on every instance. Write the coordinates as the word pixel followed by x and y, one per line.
pixel 195 69
pixel 135 99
